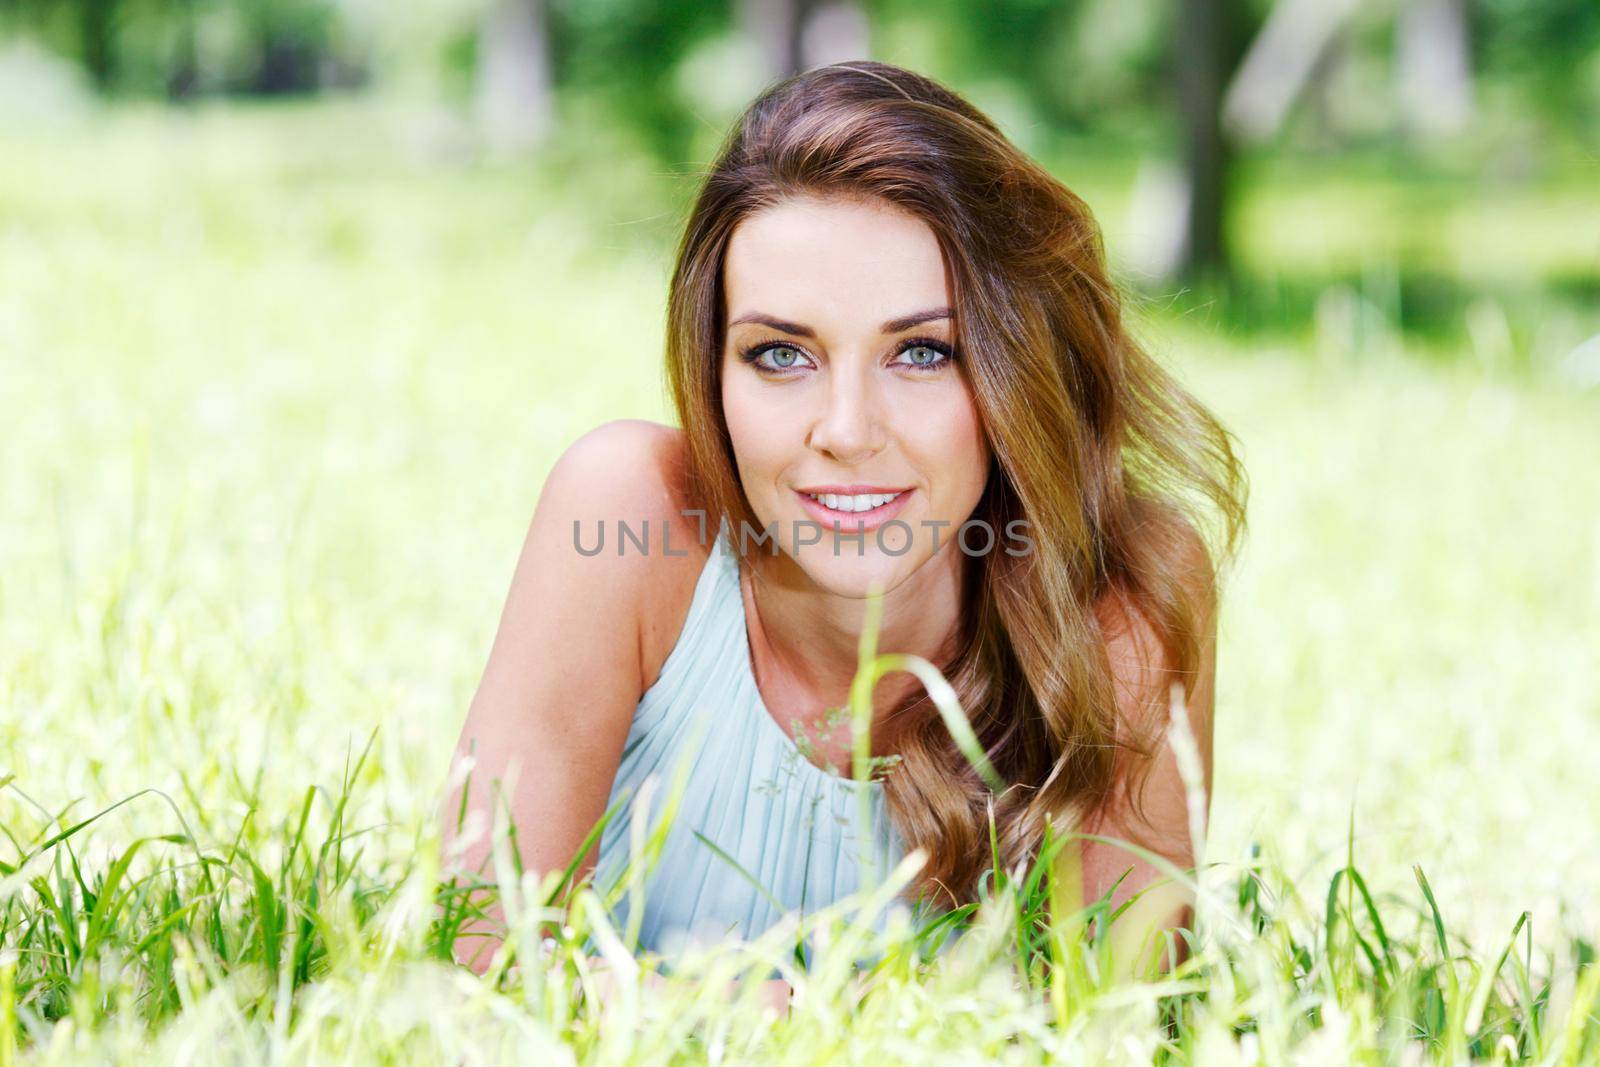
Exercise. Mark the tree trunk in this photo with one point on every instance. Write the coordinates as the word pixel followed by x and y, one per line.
pixel 1202 54
pixel 515 97
pixel 1433 66
pixel 775 26
pixel 183 70
pixel 97 40
pixel 834 32
pixel 1288 56
pixel 796 35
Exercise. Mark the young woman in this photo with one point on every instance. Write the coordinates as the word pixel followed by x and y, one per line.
pixel 897 364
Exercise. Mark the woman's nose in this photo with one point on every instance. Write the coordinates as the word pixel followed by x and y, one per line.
pixel 850 426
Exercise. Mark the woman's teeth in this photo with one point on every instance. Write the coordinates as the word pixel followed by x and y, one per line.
pixel 865 502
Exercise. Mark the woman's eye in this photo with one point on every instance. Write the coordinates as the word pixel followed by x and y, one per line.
pixel 784 357
pixel 774 357
pixel 924 356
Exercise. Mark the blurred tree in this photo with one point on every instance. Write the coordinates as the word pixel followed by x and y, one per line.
pixel 1433 66
pixel 177 48
pixel 1305 43
pixel 1099 67
pixel 622 55
pixel 1285 59
pixel 835 31
pixel 97 39
pixel 183 71
pixel 1025 42
pixel 794 35
pixel 775 26
pixel 295 46
pixel 1547 52
pixel 1205 52
pixel 515 94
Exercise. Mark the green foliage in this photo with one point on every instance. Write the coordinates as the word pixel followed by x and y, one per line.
pixel 1549 52
pixel 1085 65
pixel 625 53
pixel 1088 61
pixel 182 47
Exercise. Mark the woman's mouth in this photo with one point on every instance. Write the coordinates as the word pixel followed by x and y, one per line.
pixel 853 511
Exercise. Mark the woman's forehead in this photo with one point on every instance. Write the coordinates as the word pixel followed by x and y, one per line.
pixel 844 262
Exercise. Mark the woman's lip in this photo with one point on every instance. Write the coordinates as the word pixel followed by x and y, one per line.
pixel 854 520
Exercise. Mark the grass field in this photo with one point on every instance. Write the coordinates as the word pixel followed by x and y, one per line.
pixel 278 389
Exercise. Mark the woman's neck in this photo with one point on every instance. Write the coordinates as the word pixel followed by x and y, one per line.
pixel 805 640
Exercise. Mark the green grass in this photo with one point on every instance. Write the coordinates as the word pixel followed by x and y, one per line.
pixel 278 388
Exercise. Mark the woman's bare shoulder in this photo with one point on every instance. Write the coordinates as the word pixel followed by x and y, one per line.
pixel 645 464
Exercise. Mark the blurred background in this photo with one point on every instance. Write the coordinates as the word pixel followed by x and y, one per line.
pixel 299 300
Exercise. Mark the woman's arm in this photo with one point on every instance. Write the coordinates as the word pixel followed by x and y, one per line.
pixel 565 672
pixel 552 710
pixel 1143 680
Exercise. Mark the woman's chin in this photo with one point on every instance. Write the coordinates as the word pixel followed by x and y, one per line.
pixel 851 575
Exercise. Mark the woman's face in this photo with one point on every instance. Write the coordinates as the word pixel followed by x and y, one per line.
pixel 837 371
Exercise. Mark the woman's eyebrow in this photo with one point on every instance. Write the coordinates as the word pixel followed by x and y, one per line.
pixel 904 322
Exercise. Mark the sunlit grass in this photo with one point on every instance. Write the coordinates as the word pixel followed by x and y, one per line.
pixel 277 396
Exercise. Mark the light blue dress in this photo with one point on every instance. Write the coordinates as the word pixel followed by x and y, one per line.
pixel 781 820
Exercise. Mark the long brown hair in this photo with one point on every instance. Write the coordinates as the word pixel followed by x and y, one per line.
pixel 1116 468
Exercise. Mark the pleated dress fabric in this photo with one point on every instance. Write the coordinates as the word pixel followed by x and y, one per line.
pixel 749 790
